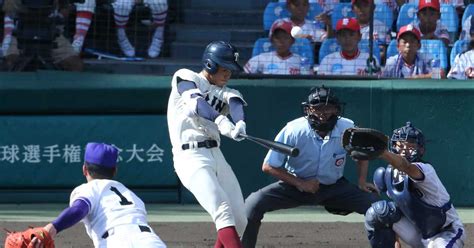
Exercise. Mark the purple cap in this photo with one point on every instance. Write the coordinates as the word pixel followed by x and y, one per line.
pixel 101 154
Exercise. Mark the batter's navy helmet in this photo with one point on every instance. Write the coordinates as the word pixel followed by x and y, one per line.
pixel 220 53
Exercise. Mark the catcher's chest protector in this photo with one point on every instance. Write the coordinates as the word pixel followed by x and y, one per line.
pixel 429 219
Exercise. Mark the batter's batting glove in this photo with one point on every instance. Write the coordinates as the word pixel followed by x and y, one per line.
pixel 225 125
pixel 239 129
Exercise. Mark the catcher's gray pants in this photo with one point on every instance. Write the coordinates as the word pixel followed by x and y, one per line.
pixel 342 196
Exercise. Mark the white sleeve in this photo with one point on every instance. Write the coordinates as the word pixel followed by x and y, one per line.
pixel 83 192
pixel 324 66
pixel 252 65
pixel 457 70
pixel 229 93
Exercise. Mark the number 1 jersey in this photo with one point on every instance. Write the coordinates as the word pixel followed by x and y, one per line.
pixel 110 204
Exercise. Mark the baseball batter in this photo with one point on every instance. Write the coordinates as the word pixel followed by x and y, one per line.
pixel 197 114
pixel 421 212
pixel 112 214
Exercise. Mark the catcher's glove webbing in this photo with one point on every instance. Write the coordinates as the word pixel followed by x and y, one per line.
pixel 364 143
pixel 23 239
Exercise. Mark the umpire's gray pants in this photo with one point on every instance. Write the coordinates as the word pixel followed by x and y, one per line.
pixel 341 195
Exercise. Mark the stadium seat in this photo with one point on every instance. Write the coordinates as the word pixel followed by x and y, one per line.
pixel 468 12
pixel 277 10
pixel 330 46
pixel 459 47
pixel 435 49
pixel 301 47
pixel 406 15
pixel 341 10
pixel 450 19
pixel 384 14
pixel 392 48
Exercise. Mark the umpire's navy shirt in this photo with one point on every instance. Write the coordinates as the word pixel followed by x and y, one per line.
pixel 320 158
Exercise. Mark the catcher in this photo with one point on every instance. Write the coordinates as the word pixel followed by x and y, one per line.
pixel 112 214
pixel 421 212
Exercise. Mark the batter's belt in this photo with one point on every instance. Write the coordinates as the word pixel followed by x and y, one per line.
pixel 205 144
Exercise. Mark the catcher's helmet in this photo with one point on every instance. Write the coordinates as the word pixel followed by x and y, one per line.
pixel 220 53
pixel 410 134
pixel 319 96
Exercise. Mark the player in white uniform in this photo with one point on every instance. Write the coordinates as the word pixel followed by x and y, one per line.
pixel 112 214
pixel 421 212
pixel 350 60
pixel 463 67
pixel 122 10
pixel 197 112
pixel 281 61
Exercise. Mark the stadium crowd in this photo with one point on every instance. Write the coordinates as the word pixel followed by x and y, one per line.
pixel 383 38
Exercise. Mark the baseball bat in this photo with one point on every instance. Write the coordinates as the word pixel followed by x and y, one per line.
pixel 273 145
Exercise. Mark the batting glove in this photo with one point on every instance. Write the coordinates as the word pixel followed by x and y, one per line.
pixel 225 125
pixel 239 129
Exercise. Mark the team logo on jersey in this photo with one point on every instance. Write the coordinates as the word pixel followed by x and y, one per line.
pixel 236 56
pixel 339 161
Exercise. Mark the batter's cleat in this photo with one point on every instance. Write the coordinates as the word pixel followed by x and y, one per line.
pixel 126 47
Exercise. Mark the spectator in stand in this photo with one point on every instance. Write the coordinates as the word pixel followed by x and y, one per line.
pixel 281 61
pixel 62 54
pixel 428 21
pixel 122 10
pixel 84 13
pixel 313 31
pixel 466 27
pixel 463 67
pixel 362 10
pixel 408 63
pixel 350 60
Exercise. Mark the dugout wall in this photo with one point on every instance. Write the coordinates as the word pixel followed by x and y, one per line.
pixel 46 118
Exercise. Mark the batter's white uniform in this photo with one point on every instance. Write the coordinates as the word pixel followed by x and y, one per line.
pixel 463 63
pixel 272 63
pixel 336 64
pixel 435 194
pixel 115 209
pixel 204 171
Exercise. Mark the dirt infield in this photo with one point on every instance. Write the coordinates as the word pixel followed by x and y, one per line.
pixel 202 234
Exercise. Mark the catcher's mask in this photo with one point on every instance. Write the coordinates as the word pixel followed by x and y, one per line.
pixel 322 109
pixel 409 142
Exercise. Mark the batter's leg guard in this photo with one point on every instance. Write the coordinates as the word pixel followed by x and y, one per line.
pixel 379 219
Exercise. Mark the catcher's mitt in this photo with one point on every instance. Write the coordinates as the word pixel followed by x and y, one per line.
pixel 364 143
pixel 23 239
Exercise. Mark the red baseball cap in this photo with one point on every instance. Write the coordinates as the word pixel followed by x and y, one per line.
pixel 428 4
pixel 409 29
pixel 348 23
pixel 285 25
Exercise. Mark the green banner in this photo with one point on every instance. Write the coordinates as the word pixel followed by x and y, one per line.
pixel 48 151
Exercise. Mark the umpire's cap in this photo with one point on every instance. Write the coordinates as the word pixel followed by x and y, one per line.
pixel 220 53
pixel 101 154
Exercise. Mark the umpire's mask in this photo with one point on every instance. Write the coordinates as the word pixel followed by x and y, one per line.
pixel 322 109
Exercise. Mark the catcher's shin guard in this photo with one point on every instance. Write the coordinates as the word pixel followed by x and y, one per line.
pixel 379 219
